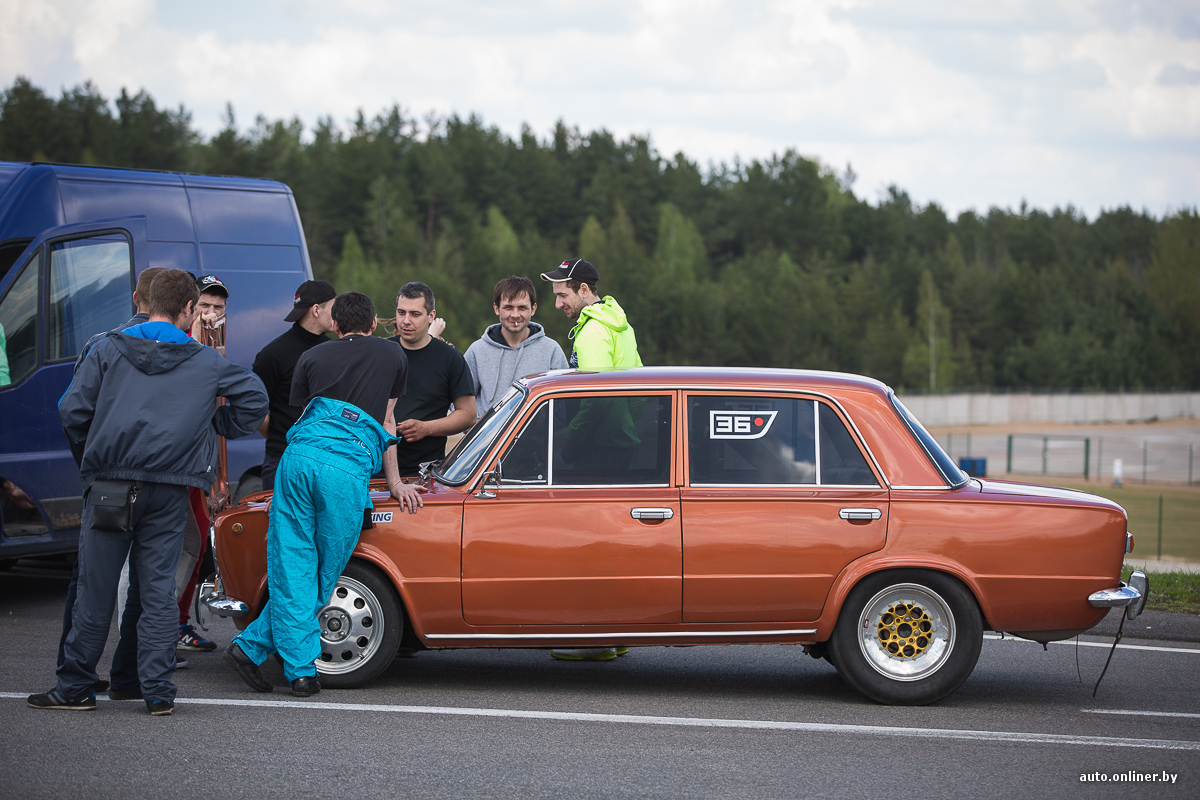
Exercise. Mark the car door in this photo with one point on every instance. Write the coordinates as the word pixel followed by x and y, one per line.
pixel 583 528
pixel 778 499
pixel 70 283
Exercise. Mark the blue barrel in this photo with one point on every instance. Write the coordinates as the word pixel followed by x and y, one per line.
pixel 976 467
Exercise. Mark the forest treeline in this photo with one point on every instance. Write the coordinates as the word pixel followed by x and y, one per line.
pixel 773 262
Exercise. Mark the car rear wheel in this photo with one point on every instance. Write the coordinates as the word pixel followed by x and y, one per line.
pixel 360 628
pixel 907 637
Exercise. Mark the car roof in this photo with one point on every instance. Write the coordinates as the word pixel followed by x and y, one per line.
pixel 706 377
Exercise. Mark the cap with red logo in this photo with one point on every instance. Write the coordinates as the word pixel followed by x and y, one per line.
pixel 573 269
pixel 309 294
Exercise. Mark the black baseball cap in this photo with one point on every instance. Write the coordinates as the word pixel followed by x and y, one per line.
pixel 573 269
pixel 309 294
pixel 211 283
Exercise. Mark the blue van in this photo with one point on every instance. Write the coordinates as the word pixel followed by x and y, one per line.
pixel 72 242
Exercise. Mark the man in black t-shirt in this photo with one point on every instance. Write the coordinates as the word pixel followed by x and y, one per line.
pixel 348 388
pixel 276 362
pixel 437 377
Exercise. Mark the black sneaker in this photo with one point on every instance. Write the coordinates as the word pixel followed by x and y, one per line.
pixel 305 686
pixel 128 693
pixel 193 642
pixel 246 669
pixel 160 708
pixel 52 699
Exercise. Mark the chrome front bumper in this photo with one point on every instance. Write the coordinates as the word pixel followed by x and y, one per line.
pixel 1130 596
pixel 213 597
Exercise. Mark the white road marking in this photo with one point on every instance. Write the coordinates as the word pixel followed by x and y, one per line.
pixel 699 722
pixel 997 638
pixel 1133 713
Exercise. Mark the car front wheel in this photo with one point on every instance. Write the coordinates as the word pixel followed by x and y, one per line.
pixel 360 628
pixel 907 637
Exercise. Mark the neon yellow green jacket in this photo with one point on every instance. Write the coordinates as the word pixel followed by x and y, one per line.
pixel 604 339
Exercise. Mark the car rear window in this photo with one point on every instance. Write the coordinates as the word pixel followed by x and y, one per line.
pixel 954 476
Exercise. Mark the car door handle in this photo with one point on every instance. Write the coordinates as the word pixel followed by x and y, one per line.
pixel 651 513
pixel 860 513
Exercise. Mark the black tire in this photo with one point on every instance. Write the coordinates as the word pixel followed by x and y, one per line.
pixel 360 628
pixel 907 637
pixel 250 483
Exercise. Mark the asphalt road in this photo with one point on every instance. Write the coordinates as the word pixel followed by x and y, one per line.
pixel 737 721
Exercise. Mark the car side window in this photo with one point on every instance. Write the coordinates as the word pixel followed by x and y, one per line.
pixel 609 440
pixel 752 441
pixel 90 285
pixel 19 324
pixel 842 463
pixel 527 460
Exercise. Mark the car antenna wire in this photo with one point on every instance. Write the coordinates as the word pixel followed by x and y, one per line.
pixel 1107 661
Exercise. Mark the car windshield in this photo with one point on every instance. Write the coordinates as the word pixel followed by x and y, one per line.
pixel 463 460
pixel 950 471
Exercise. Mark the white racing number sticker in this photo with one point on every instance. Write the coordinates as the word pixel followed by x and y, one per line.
pixel 739 424
pixel 381 516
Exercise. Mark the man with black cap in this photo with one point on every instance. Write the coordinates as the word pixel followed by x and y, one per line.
pixel 603 339
pixel 276 362
pixel 210 312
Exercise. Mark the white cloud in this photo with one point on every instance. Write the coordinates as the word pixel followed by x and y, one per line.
pixel 1089 103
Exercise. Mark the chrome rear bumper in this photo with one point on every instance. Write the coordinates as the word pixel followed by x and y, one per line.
pixel 213 597
pixel 1130 596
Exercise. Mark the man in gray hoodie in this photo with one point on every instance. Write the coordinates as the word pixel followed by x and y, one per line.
pixel 512 348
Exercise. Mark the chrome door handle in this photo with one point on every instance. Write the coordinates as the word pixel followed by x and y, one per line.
pixel 860 513
pixel 651 513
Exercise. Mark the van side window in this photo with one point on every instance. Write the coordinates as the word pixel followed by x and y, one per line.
pixel 19 325
pixel 91 282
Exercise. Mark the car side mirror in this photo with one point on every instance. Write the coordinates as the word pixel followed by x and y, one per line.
pixel 491 480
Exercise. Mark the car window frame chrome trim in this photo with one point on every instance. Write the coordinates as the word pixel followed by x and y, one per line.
pixel 682 389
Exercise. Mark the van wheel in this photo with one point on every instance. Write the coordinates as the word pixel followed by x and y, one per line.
pixel 360 628
pixel 907 637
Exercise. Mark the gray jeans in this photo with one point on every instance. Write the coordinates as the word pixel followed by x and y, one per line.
pixel 153 549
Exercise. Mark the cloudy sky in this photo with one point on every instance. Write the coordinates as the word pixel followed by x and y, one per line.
pixel 970 105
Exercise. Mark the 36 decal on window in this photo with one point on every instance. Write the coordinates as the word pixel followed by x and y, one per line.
pixel 739 424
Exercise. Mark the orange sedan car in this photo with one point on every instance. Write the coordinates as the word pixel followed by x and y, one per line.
pixel 689 506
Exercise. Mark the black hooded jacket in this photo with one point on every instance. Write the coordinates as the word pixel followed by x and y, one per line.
pixel 139 409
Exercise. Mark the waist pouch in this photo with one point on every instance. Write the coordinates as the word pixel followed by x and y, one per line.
pixel 112 505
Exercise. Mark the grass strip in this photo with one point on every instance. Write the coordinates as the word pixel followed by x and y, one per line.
pixel 1177 591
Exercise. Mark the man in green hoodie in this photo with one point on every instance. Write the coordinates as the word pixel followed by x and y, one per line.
pixel 602 431
pixel 607 343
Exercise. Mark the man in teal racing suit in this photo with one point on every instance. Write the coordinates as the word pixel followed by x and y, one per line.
pixel 347 431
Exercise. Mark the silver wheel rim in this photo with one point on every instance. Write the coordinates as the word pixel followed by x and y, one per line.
pixel 906 632
pixel 352 627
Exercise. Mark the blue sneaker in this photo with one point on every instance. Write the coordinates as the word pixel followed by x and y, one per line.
pixel 192 642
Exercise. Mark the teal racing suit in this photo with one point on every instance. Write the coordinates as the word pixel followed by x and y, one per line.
pixel 321 491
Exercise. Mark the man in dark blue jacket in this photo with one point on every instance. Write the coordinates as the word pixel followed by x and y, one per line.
pixel 142 408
